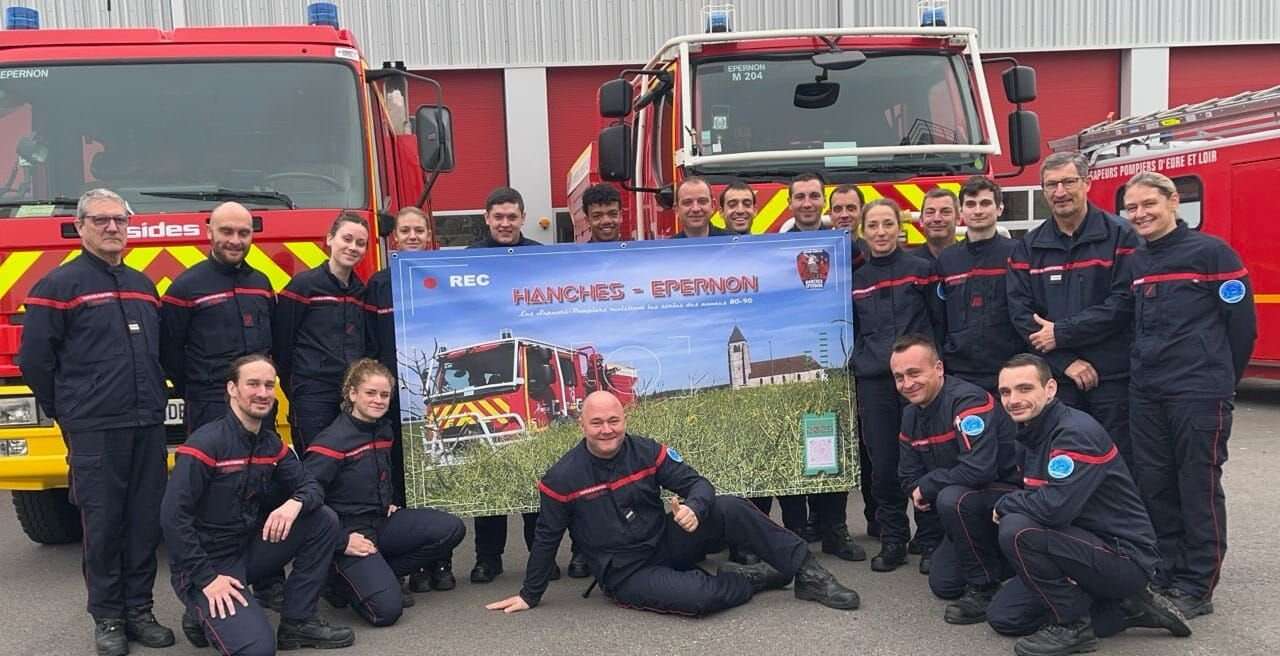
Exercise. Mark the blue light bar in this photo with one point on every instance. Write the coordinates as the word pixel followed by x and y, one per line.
pixel 933 17
pixel 322 13
pixel 719 20
pixel 21 18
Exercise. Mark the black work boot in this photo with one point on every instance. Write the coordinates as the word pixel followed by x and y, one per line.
pixel 914 548
pixel 743 556
pixel 193 630
pixel 109 638
pixel 1189 605
pixel 810 531
pixel 1059 640
pixel 486 570
pixel 840 544
pixel 1151 610
pixel 420 581
pixel 972 607
pixel 578 568
pixel 892 556
pixel 314 633
pixel 270 595
pixel 926 561
pixel 406 593
pixel 140 626
pixel 762 575
pixel 442 576
pixel 815 583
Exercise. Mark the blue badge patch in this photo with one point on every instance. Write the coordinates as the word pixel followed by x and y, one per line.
pixel 1231 291
pixel 674 455
pixel 942 293
pixel 1061 466
pixel 973 425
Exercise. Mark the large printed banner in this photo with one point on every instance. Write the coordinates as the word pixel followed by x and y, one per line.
pixel 730 350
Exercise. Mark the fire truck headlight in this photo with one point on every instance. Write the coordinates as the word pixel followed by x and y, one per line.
pixel 19 411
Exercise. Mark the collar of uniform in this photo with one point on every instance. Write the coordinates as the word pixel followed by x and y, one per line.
pixel 932 407
pixel 886 260
pixel 248 436
pixel 626 444
pixel 351 281
pixel 224 268
pixel 1034 431
pixel 99 263
pixel 361 425
pixel 1180 232
pixel 981 245
pixel 1092 228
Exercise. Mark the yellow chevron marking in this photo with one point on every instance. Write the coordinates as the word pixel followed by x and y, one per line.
pixel 308 252
pixel 506 407
pixel 162 285
pixel 259 260
pixel 487 408
pixel 141 258
pixel 912 193
pixel 188 256
pixel 770 211
pixel 14 266
pixel 953 187
pixel 870 193
pixel 71 255
pixel 914 236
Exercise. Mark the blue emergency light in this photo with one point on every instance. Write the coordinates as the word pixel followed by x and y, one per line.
pixel 933 17
pixel 719 18
pixel 21 18
pixel 322 13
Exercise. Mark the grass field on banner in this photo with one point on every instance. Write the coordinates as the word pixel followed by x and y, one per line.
pixel 746 441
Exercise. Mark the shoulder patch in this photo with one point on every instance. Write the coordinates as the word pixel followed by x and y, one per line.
pixel 674 455
pixel 1061 466
pixel 973 425
pixel 1231 291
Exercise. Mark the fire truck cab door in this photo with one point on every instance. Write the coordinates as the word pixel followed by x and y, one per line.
pixel 1253 232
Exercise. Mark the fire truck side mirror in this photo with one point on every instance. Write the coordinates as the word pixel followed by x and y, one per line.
pixel 1019 84
pixel 616 156
pixel 1024 137
pixel 615 98
pixel 434 126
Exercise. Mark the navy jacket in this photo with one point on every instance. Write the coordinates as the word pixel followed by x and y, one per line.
pixel 1081 283
pixel 381 331
pixel 1075 476
pixel 223 486
pixel 490 242
pixel 960 438
pixel 318 330
pixel 892 296
pixel 351 459
pixel 91 346
pixel 212 314
pixel 611 508
pixel 712 231
pixel 1194 318
pixel 978 335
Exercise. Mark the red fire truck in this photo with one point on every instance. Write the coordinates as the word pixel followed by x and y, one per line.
pixel 287 120
pixel 500 391
pixel 1224 156
pixel 897 110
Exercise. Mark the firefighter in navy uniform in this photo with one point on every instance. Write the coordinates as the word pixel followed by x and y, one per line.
pixel 893 296
pixel 602 207
pixel 1195 327
pixel 221 537
pixel 90 352
pixel 1078 536
pixel 938 214
pixel 411 232
pixel 503 217
pixel 1069 296
pixel 606 492
pixel 382 543
pixel 978 334
pixel 694 207
pixel 958 456
pixel 215 312
pixel 319 329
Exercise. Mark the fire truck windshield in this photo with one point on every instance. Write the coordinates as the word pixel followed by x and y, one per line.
pixel 894 98
pixel 168 136
pixel 466 372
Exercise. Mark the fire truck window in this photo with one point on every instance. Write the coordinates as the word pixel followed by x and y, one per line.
pixel 890 100
pixel 461 370
pixel 538 361
pixel 1190 200
pixel 568 372
pixel 148 129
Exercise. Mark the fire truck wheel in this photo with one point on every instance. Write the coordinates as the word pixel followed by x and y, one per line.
pixel 47 516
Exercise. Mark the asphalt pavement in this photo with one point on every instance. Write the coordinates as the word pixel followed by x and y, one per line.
pixel 42 596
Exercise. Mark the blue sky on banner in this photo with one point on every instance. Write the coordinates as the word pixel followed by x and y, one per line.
pixel 671 348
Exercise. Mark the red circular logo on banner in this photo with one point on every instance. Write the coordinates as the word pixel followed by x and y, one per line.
pixel 429 282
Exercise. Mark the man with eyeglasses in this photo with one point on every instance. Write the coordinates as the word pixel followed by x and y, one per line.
pixel 1068 291
pixel 90 353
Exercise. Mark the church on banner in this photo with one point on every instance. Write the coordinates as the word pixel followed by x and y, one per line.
pixel 790 369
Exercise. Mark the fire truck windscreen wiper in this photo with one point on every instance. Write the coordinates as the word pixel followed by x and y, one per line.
pixel 56 201
pixel 222 195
